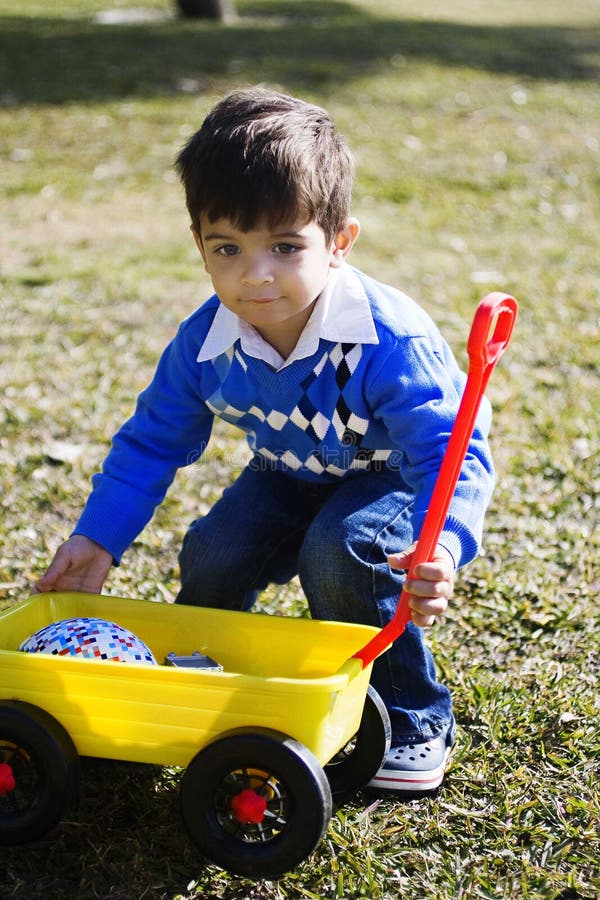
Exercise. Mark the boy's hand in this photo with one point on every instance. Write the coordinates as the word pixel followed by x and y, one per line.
pixel 79 564
pixel 431 589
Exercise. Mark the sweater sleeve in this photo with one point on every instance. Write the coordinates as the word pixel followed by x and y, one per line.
pixel 170 428
pixel 417 393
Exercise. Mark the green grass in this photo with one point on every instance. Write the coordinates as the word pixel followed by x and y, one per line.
pixel 477 137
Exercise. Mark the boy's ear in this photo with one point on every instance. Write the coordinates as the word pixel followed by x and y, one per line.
pixel 343 242
pixel 199 243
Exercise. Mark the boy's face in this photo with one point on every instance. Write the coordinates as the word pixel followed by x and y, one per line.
pixel 272 278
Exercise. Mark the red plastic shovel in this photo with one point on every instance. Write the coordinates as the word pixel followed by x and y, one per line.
pixel 489 337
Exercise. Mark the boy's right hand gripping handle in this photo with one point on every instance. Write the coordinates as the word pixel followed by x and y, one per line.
pixel 488 339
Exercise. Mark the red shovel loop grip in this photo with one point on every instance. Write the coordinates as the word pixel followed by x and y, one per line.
pixel 488 339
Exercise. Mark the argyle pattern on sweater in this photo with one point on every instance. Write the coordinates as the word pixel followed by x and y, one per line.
pixel 306 416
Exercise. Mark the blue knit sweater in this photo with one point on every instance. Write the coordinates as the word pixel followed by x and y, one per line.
pixel 347 408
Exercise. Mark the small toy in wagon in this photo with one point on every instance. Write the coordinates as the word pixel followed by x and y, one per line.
pixel 195 660
pixel 266 736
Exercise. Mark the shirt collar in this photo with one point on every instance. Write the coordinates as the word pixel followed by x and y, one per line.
pixel 342 314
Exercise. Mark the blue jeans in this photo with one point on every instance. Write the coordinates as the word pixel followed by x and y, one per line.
pixel 268 527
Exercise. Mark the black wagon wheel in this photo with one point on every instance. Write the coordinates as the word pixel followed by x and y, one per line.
pixel 358 761
pixel 256 802
pixel 39 772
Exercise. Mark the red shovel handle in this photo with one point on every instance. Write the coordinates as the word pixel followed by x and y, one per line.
pixel 488 339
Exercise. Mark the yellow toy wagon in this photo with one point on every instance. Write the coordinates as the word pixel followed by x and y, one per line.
pixel 287 700
pixel 282 719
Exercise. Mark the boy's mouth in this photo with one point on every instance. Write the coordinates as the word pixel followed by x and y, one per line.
pixel 260 300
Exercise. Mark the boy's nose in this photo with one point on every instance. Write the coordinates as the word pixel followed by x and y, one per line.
pixel 257 271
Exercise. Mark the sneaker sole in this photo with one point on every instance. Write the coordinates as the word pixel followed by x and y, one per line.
pixel 406 782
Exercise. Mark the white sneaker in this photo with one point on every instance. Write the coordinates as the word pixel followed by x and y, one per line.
pixel 414 768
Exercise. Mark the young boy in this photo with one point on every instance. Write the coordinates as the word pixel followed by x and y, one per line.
pixel 346 393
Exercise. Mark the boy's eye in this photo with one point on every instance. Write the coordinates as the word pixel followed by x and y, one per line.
pixel 227 250
pixel 286 249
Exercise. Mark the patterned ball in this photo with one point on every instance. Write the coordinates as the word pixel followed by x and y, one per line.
pixel 89 639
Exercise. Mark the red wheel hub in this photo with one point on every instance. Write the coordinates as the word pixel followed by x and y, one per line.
pixel 7 779
pixel 248 807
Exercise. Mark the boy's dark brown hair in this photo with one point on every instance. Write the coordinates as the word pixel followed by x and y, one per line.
pixel 264 156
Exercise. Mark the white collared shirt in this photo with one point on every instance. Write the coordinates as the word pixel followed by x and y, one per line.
pixel 341 314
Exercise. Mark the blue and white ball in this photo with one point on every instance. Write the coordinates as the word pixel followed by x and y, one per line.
pixel 89 638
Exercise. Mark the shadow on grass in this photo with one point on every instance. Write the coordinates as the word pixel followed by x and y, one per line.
pixel 313 44
pixel 124 840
